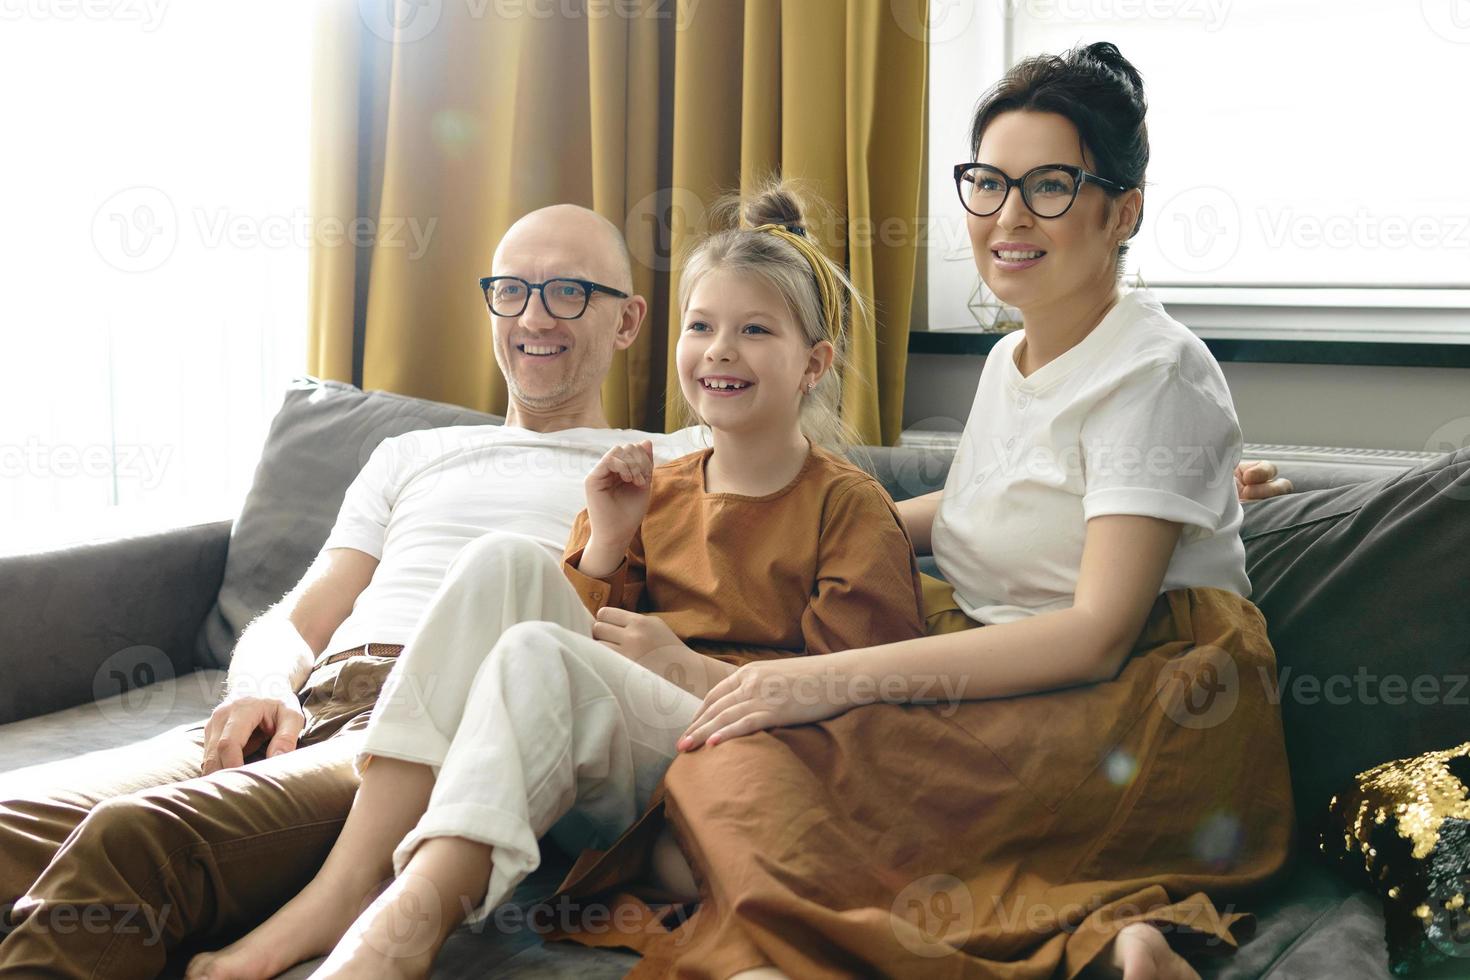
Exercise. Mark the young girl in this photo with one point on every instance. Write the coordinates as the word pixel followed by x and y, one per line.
pixel 1108 749
pixel 765 546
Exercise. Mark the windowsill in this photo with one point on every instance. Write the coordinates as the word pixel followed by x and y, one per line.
pixel 1381 327
pixel 1259 350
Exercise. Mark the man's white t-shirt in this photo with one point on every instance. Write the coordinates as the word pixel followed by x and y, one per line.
pixel 1135 419
pixel 426 494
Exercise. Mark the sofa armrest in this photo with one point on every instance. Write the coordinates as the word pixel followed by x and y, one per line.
pixel 91 621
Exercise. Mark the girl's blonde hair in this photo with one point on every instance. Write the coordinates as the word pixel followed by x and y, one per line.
pixel 740 249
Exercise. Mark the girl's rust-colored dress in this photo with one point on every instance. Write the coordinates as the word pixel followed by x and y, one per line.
pixel 1009 838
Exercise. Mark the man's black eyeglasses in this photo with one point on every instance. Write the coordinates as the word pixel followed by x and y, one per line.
pixel 1048 190
pixel 563 298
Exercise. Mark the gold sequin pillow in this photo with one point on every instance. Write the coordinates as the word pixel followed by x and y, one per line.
pixel 1407 825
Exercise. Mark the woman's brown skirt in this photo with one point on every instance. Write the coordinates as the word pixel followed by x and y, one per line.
pixel 1007 838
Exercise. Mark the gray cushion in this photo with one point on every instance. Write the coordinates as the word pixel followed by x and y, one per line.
pixel 323 434
pixel 1363 590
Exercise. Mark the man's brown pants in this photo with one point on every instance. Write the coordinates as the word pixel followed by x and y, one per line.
pixel 114 861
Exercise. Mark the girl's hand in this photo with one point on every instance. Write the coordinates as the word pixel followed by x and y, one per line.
pixel 634 635
pixel 649 642
pixel 765 694
pixel 618 490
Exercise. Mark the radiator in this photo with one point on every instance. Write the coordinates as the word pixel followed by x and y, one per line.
pixel 1389 459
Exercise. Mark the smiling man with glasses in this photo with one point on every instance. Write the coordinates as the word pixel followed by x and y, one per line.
pixel 555 353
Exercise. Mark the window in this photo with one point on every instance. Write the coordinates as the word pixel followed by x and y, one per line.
pixel 1306 158
pixel 154 187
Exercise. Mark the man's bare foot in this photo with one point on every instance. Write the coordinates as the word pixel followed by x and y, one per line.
pixel 396 937
pixel 1141 952
pixel 306 927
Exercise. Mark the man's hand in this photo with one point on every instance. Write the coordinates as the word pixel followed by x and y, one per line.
pixel 1257 480
pixel 240 725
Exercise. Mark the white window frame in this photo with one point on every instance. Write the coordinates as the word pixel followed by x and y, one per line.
pixel 970 41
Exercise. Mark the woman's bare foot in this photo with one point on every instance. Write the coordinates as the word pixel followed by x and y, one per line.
pixel 1141 952
pixel 306 927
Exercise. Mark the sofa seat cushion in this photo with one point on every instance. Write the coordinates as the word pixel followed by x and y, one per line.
pixel 90 734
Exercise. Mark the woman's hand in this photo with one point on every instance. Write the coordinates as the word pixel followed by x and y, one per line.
pixel 1257 480
pixel 766 694
pixel 618 490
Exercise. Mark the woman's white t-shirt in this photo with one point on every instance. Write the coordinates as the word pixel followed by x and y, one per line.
pixel 1135 419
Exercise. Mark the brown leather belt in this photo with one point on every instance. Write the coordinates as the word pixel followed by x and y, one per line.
pixel 366 650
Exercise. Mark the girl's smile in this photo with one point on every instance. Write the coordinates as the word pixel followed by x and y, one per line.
pixel 724 385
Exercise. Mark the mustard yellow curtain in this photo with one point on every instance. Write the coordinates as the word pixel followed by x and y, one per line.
pixel 435 128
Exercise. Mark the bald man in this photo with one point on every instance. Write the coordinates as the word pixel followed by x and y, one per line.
pixel 208 829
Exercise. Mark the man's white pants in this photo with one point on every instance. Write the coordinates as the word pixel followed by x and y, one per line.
pixel 530 724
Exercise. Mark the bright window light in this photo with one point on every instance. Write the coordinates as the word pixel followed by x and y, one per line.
pixel 154 188
pixel 1294 142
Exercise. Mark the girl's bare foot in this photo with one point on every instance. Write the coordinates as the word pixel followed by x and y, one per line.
pixel 1140 952
pixel 306 927
pixel 397 936
pixel 760 973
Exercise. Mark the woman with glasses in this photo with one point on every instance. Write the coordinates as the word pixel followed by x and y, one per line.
pixel 1084 754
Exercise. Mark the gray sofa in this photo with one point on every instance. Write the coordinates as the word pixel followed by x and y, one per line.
pixel 107 643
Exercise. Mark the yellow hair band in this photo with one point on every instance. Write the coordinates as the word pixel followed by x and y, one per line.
pixel 827 285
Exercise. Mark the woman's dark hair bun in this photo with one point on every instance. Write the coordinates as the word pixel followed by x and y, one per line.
pixel 1106 53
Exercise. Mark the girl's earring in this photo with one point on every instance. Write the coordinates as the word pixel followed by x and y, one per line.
pixel 810 386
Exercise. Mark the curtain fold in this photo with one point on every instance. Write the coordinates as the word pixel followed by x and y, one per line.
pixel 431 137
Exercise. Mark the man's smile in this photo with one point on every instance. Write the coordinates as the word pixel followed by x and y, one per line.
pixel 541 350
